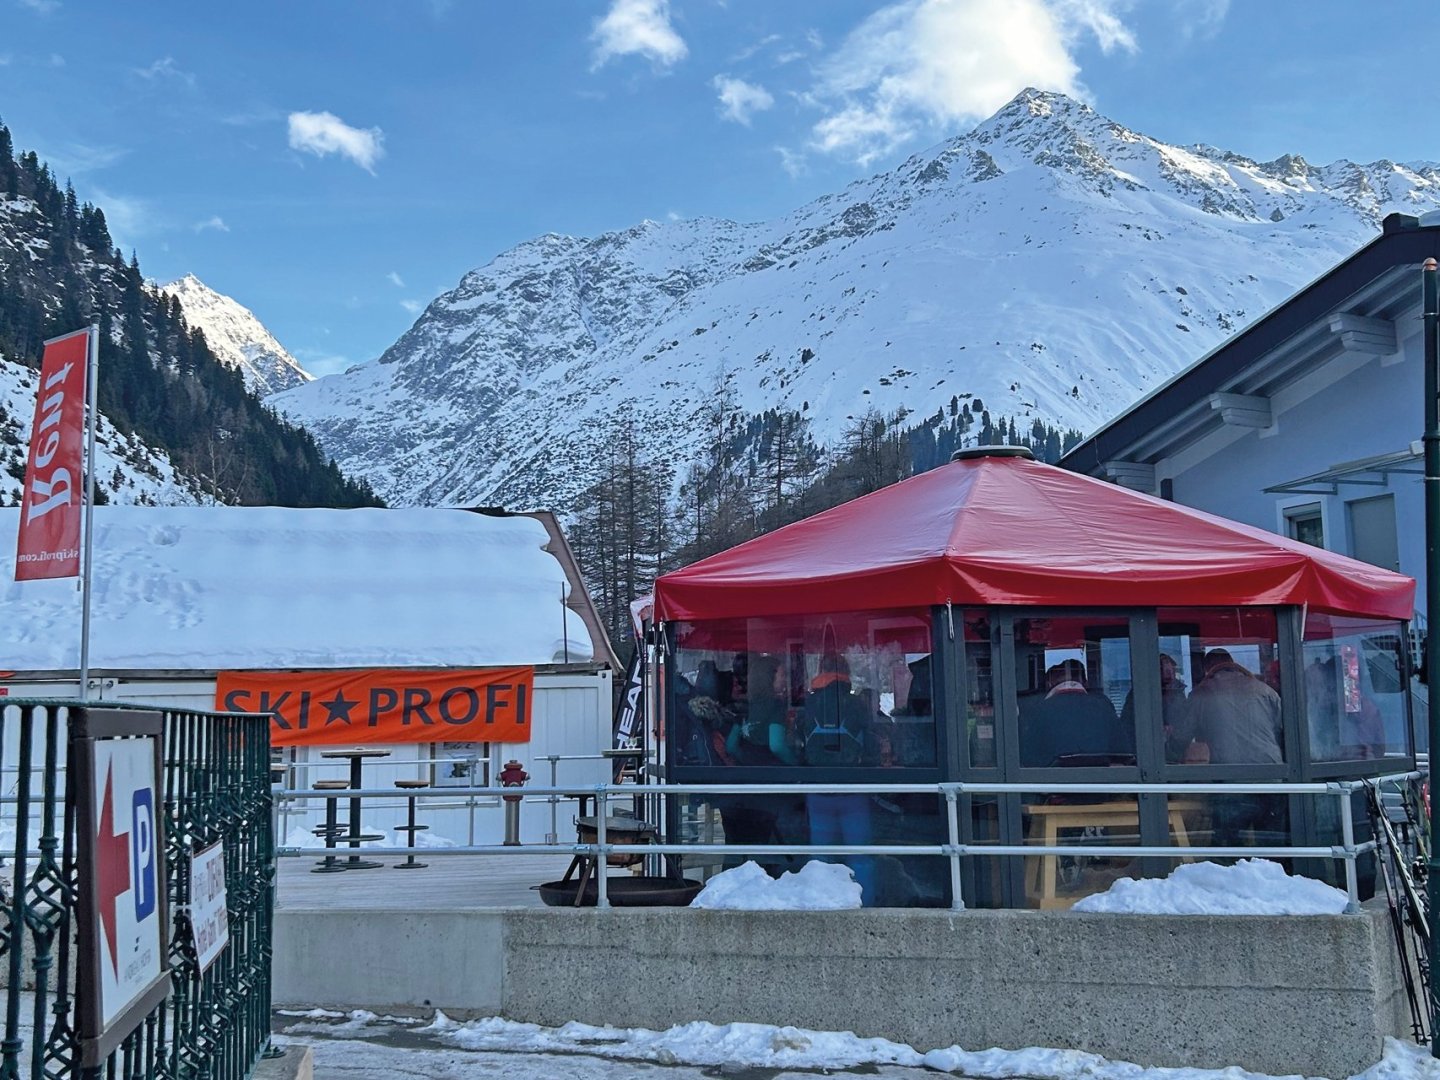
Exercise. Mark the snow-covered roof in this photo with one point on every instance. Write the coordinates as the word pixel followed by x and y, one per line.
pixel 206 588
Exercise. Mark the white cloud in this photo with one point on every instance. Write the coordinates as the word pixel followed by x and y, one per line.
pixel 5 59
pixel 637 26
pixel 920 65
pixel 395 279
pixel 751 50
pixel 1202 18
pixel 741 100
pixel 215 222
pixel 791 161
pixel 414 307
pixel 76 159
pixel 166 69
pixel 128 218
pixel 55 59
pixel 1100 18
pixel 673 215
pixel 325 133
pixel 43 7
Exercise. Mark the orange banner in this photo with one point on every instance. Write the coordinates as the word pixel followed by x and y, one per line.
pixel 386 705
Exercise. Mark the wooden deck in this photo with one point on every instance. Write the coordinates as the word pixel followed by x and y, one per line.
pixel 448 882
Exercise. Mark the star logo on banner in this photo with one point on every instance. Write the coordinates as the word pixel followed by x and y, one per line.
pixel 112 865
pixel 338 709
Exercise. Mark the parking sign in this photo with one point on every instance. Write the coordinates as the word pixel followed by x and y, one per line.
pixel 122 861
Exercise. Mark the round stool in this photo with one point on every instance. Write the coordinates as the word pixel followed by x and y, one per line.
pixel 331 830
pixel 411 829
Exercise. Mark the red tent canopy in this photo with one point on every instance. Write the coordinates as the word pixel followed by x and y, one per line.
pixel 1007 530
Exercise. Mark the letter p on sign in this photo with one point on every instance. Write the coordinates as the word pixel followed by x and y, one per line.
pixel 142 851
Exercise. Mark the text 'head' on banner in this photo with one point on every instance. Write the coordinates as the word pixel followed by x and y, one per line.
pixel 49 540
pixel 394 705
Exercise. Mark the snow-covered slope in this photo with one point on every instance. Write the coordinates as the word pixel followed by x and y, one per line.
pixel 1051 262
pixel 128 470
pixel 237 338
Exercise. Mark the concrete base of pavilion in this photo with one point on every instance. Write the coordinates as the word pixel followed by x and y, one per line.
pixel 1315 995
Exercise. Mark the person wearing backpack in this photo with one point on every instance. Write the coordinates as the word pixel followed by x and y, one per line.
pixel 837 732
pixel 760 736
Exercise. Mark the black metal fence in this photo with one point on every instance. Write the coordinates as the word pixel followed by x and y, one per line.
pixel 214 1024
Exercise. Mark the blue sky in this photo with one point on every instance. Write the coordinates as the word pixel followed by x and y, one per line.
pixel 334 164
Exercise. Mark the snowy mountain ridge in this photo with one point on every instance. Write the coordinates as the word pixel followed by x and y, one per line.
pixel 1051 262
pixel 237 338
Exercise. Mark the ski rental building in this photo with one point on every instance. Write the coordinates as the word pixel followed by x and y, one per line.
pixel 455 640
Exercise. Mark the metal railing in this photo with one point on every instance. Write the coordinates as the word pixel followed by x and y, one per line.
pixel 1342 791
pixel 470 799
pixel 214 1024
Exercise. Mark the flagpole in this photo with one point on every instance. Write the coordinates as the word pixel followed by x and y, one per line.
pixel 90 380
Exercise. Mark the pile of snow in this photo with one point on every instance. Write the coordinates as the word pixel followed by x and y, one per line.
pixel 1250 887
pixel 427 840
pixel 816 886
pixel 765 1046
pixel 762 1046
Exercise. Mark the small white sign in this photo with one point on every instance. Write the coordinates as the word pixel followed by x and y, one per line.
pixel 128 857
pixel 209 919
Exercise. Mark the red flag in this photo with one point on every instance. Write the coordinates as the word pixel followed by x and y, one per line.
pixel 49 540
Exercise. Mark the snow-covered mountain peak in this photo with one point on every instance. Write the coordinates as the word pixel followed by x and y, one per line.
pixel 237 338
pixel 1051 262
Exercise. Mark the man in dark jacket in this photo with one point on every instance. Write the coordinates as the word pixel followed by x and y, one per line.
pixel 1068 721
pixel 1234 719
pixel 1235 714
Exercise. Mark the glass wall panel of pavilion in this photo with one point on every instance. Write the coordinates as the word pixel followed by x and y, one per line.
pixel 1069 684
pixel 1358 723
pixel 836 699
pixel 1225 708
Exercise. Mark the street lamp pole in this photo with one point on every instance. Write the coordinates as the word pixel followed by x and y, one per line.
pixel 1432 601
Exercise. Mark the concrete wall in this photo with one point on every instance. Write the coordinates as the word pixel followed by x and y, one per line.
pixel 1280 995
pixel 450 960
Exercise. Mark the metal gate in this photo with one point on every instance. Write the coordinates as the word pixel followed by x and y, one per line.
pixel 215 787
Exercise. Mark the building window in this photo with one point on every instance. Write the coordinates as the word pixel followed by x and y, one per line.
pixel 460 764
pixel 1305 524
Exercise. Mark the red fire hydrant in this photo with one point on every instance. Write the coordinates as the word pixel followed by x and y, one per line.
pixel 512 775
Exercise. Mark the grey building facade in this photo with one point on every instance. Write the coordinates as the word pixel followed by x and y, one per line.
pixel 1308 422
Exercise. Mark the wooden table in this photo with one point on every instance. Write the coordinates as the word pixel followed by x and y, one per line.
pixel 1047 819
pixel 357 756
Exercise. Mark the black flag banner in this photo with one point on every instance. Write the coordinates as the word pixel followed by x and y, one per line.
pixel 630 709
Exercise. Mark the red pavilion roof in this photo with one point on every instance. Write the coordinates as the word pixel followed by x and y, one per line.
pixel 1010 531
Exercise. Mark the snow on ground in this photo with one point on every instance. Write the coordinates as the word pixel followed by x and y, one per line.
pixel 1250 887
pixel 816 886
pixel 303 838
pixel 361 1046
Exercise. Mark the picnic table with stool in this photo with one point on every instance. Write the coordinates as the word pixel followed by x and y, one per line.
pixel 330 830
